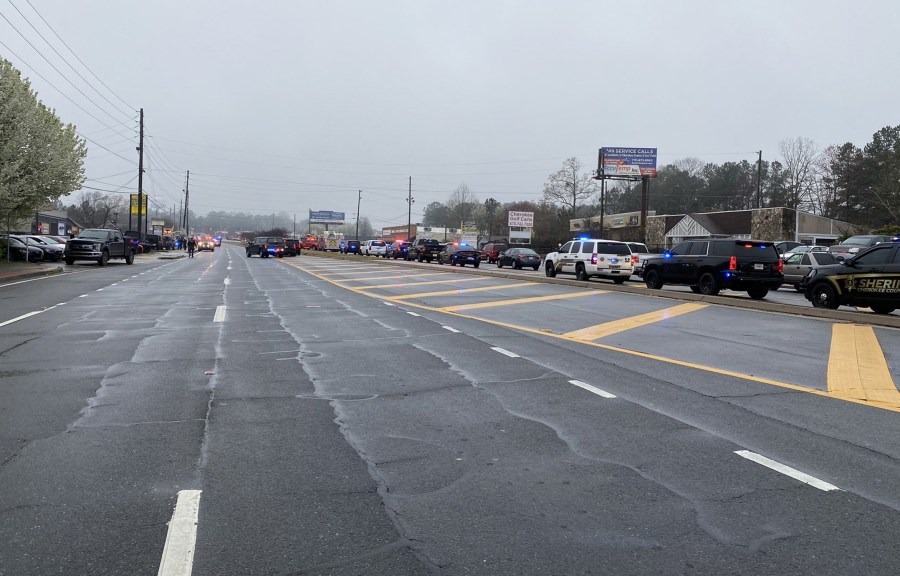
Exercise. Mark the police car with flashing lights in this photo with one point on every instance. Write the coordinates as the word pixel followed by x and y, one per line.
pixel 587 257
pixel 869 279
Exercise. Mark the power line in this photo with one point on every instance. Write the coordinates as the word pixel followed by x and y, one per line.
pixel 61 57
pixel 127 105
pixel 64 77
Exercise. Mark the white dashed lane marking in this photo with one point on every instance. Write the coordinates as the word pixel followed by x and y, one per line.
pixel 505 352
pixel 220 314
pixel 22 317
pixel 178 552
pixel 592 389
pixel 451 329
pixel 787 470
pixel 413 314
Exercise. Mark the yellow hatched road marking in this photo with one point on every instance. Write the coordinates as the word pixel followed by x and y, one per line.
pixel 857 368
pixel 616 326
pixel 635 353
pixel 521 301
pixel 459 291
pixel 337 271
pixel 447 281
pixel 394 277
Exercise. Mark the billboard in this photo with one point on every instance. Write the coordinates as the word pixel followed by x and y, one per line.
pixel 134 205
pixel 521 219
pixel 325 217
pixel 634 162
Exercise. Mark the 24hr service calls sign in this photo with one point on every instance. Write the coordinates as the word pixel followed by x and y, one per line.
pixel 634 162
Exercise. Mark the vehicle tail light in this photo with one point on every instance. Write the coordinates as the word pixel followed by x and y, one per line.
pixel 732 263
pixel 780 266
pixel 593 258
pixel 635 260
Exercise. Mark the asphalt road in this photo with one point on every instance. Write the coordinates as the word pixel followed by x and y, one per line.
pixel 343 417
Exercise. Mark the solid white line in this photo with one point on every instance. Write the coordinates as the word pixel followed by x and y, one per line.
pixel 22 317
pixel 505 352
pixel 229 268
pixel 592 389
pixel 83 296
pixel 220 314
pixel 413 314
pixel 787 470
pixel 178 553
pixel 227 281
pixel 451 329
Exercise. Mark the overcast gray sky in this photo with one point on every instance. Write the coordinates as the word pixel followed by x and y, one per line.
pixel 294 105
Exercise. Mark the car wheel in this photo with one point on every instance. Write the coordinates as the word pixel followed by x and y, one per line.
pixel 129 258
pixel 535 268
pixel 620 280
pixel 419 258
pixel 824 296
pixel 499 264
pixel 882 308
pixel 248 254
pixel 549 270
pixel 517 265
pixel 581 274
pixel 797 286
pixel 104 258
pixel 439 261
pixel 653 280
pixel 70 261
pixel 708 285
pixel 758 292
pixel 476 264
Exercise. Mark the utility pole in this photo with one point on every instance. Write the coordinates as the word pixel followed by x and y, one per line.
pixel 140 150
pixel 294 230
pixel 358 201
pixel 759 181
pixel 409 200
pixel 187 210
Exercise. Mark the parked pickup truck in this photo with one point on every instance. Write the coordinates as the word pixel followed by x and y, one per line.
pixel 100 245
pixel 640 250
pixel 424 250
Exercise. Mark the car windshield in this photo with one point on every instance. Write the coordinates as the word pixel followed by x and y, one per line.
pixel 94 235
pixel 753 249
pixel 639 249
pixel 857 241
pixel 526 252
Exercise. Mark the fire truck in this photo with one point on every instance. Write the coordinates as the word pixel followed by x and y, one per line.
pixel 309 242
pixel 329 241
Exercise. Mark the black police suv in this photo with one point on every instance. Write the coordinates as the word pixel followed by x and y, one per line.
pixel 871 279
pixel 715 264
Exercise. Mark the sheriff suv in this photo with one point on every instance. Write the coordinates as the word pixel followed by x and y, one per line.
pixel 265 246
pixel 585 257
pixel 708 266
pixel 871 278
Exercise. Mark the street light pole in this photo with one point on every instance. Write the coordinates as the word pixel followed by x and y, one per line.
pixel 358 201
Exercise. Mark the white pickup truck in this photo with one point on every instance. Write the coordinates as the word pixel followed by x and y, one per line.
pixel 373 248
pixel 640 250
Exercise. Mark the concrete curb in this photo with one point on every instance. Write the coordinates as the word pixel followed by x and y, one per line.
pixel 27 275
pixel 872 319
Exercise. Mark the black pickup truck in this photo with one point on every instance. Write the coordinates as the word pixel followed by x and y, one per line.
pixel 708 266
pixel 100 245
pixel 424 250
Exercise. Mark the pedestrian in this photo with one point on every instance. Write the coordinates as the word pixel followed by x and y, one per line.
pixel 190 247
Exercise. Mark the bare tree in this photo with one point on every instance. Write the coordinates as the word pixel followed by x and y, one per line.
pixel 693 166
pixel 570 185
pixel 96 209
pixel 462 204
pixel 799 157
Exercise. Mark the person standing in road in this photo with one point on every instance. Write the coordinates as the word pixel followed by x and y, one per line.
pixel 190 247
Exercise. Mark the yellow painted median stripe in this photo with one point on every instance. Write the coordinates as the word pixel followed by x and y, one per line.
pixel 857 368
pixel 600 330
pixel 459 291
pixel 393 277
pixel 521 301
pixel 447 281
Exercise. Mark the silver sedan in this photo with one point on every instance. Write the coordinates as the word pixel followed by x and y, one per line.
pixel 797 265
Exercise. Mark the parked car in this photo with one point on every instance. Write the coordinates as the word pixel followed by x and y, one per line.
pixel 587 257
pixel 802 249
pixel 459 254
pixel 425 250
pixel 154 241
pixel 101 245
pixel 372 248
pixel 490 252
pixel 399 249
pixel 640 250
pixel 786 245
pixel 871 278
pixel 519 258
pixel 351 247
pixel 53 251
pixel 797 265
pixel 265 246
pixel 708 266
pixel 291 246
pixel 855 244
pixel 19 251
